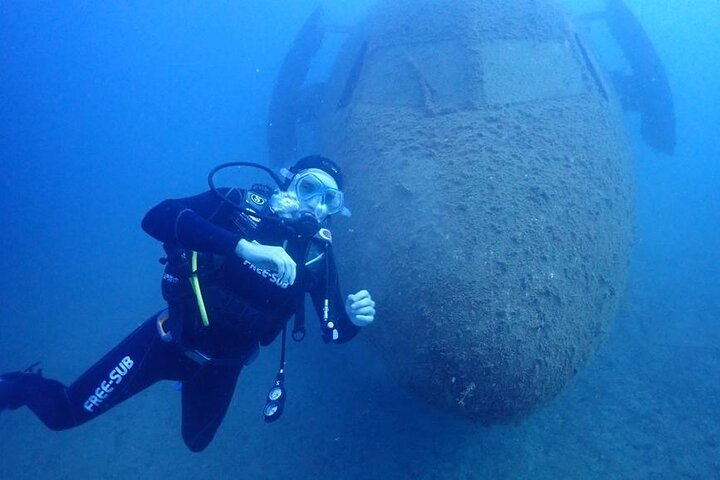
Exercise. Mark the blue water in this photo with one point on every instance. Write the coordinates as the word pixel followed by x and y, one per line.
pixel 105 109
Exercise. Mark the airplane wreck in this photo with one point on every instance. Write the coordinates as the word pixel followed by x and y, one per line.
pixel 489 176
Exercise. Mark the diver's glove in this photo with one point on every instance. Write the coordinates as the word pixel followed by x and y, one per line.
pixel 268 257
pixel 360 307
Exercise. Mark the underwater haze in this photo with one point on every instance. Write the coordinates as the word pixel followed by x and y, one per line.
pixel 107 108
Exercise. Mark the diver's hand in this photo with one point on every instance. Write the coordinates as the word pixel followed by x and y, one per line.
pixel 268 257
pixel 360 307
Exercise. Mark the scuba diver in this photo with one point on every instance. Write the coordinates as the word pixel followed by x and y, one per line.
pixel 237 267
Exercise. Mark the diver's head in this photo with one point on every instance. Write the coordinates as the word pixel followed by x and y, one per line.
pixel 321 163
pixel 313 188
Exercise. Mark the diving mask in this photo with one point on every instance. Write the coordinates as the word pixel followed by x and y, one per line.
pixel 313 190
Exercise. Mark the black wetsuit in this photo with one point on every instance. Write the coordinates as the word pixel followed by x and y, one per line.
pixel 246 307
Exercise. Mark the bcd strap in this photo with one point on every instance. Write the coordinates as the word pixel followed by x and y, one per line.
pixel 298 331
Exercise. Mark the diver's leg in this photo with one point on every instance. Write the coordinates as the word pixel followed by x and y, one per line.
pixel 205 400
pixel 136 363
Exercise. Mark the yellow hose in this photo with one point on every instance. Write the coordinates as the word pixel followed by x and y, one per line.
pixel 196 288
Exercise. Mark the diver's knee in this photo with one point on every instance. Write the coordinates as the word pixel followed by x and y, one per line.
pixel 59 426
pixel 197 445
pixel 196 442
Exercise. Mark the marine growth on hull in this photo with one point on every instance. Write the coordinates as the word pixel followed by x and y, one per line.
pixel 489 178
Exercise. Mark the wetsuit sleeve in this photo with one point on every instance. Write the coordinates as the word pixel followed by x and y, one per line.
pixel 188 223
pixel 339 319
